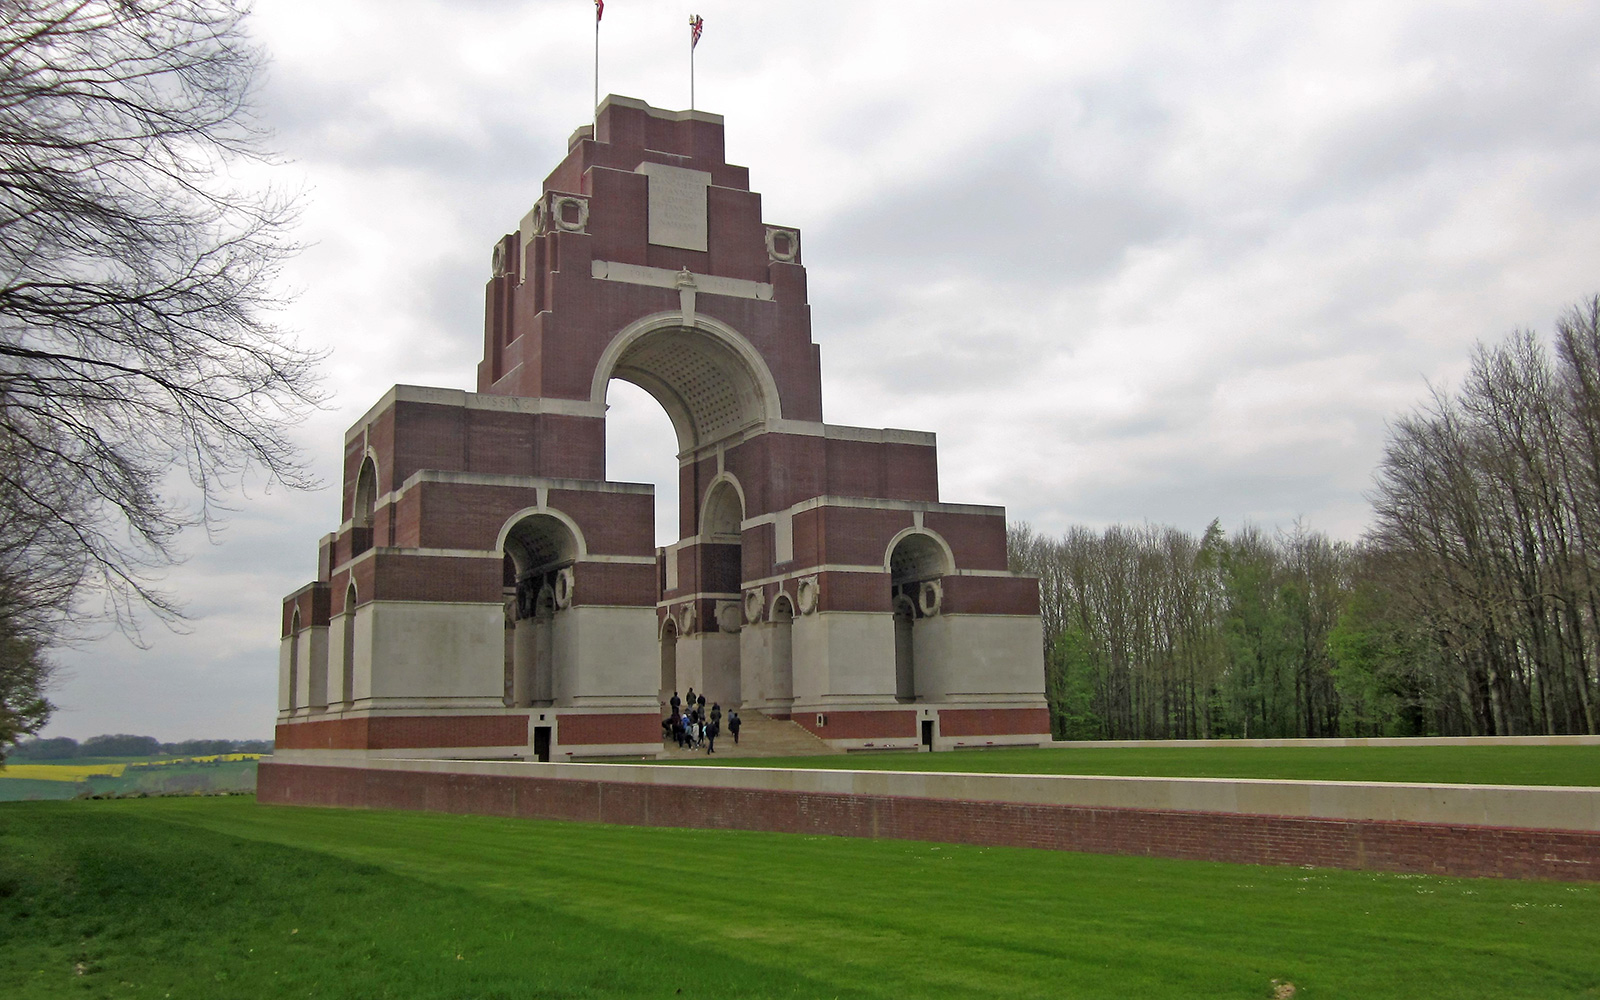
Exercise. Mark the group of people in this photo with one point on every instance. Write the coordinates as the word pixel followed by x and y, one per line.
pixel 691 726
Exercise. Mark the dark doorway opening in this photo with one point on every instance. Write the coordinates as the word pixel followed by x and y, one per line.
pixel 927 733
pixel 541 743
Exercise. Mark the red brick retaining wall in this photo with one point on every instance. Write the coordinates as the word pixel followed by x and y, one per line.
pixel 1434 848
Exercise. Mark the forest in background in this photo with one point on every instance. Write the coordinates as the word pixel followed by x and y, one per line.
pixel 60 748
pixel 1470 607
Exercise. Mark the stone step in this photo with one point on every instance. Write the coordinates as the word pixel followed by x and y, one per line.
pixel 759 736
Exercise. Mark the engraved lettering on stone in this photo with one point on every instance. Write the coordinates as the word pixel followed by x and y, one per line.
pixel 677 205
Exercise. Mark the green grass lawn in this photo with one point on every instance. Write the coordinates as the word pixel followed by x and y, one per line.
pixel 223 898
pixel 1485 765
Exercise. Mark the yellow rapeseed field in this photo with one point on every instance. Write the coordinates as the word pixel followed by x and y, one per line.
pixel 213 758
pixel 61 772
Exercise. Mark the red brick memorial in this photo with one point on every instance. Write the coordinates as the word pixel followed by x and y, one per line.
pixel 490 594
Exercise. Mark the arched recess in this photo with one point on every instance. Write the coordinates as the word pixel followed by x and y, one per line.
pixel 711 381
pixel 363 506
pixel 294 660
pixel 721 554
pixel 782 694
pixel 669 659
pixel 917 554
pixel 916 559
pixel 347 672
pixel 540 548
pixel 722 515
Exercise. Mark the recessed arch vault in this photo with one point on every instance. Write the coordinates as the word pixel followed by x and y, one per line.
pixel 917 554
pixel 711 381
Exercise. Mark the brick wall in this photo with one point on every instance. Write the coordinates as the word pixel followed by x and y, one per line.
pixel 1379 845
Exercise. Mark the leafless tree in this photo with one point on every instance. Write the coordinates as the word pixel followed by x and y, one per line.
pixel 137 285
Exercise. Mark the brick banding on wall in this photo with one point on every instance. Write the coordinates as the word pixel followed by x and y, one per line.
pixel 595 730
pixel 993 721
pixel 404 732
pixel 1381 845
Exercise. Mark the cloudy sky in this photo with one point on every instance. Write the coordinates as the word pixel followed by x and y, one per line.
pixel 1132 262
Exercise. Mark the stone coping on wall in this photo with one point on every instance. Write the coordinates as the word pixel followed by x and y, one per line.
pixel 1342 741
pixel 1501 806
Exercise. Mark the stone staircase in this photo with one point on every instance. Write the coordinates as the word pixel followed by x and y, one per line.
pixel 759 736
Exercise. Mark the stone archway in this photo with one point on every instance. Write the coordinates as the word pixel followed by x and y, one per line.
pixel 541 550
pixel 347 650
pixel 917 561
pixel 669 661
pixel 363 506
pixel 714 386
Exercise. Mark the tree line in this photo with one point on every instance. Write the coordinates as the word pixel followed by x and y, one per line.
pixel 1470 607
pixel 127 745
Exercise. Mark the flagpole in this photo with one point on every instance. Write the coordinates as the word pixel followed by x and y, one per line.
pixel 691 76
pixel 594 124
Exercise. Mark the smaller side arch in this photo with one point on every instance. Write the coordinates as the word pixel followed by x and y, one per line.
pixel 347 666
pixel 716 516
pixel 294 661
pixel 927 556
pixel 364 502
pixel 515 519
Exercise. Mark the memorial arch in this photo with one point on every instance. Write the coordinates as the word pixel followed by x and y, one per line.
pixel 513 600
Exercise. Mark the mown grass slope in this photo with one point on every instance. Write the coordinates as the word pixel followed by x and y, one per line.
pixel 224 898
pixel 1485 765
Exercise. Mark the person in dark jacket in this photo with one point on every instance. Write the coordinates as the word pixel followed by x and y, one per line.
pixel 733 726
pixel 676 703
pixel 716 714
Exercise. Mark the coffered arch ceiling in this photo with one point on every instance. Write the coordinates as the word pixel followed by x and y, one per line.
pixel 709 389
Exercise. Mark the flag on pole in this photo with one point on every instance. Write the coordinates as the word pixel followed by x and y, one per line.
pixel 696 25
pixel 599 9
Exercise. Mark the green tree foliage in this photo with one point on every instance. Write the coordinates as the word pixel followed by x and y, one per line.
pixel 1154 634
pixel 1471 607
pixel 23 674
pixel 1486 512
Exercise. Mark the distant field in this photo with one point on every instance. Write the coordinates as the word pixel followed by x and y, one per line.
pixel 61 772
pixel 218 897
pixel 27 789
pixel 126 776
pixel 1484 765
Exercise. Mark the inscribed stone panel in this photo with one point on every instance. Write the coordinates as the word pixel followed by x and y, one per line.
pixel 677 205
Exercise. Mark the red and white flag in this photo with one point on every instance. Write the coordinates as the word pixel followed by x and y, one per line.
pixel 599 9
pixel 696 25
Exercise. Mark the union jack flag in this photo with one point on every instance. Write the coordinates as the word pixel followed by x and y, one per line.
pixel 696 25
pixel 599 9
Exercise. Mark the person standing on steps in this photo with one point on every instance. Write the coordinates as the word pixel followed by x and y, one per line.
pixel 716 715
pixel 711 737
pixel 676 703
pixel 702 706
pixel 733 726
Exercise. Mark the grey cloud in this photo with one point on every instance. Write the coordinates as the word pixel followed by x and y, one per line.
pixel 1005 213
